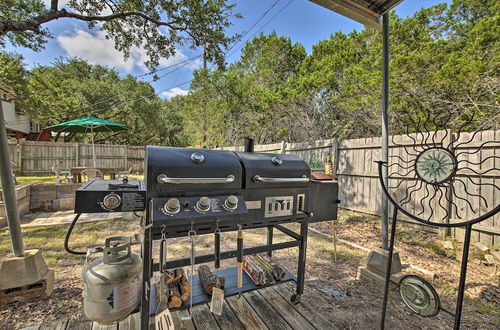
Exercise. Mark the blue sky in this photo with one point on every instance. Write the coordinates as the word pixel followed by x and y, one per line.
pixel 300 20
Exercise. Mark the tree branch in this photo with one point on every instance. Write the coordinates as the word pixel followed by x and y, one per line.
pixel 34 23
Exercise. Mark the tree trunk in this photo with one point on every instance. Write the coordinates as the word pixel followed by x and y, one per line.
pixel 209 280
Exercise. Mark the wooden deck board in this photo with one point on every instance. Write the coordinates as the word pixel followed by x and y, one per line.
pixel 228 320
pixel 79 325
pixel 315 318
pixel 203 318
pixel 267 308
pixel 289 314
pixel 180 324
pixel 59 325
pixel 266 311
pixel 245 313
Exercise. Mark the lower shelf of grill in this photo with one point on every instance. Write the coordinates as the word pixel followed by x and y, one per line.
pixel 230 288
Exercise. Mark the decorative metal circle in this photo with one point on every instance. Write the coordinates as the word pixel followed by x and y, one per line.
pixel 277 161
pixel 419 296
pixel 435 165
pixel 197 157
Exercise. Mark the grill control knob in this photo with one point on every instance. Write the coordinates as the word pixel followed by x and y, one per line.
pixel 203 204
pixel 111 201
pixel 172 206
pixel 231 202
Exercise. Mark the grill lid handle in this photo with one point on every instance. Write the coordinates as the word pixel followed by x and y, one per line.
pixel 163 178
pixel 259 178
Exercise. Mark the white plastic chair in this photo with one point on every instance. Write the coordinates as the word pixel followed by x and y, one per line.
pixel 91 174
pixel 62 175
pixel 123 174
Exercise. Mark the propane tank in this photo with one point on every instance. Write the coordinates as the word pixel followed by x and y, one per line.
pixel 112 283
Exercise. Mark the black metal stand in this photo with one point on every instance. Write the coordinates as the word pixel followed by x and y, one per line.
pixel 465 256
pixel 299 240
pixel 389 267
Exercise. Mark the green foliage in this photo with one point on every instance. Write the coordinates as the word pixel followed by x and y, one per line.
pixel 156 26
pixel 13 75
pixel 443 60
pixel 71 89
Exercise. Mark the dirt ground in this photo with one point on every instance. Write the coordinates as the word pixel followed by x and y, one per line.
pixel 331 286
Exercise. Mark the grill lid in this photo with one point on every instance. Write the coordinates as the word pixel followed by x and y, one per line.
pixel 182 169
pixel 274 170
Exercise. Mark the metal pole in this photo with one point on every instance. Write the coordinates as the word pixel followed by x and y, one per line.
pixel 93 146
pixel 385 122
pixel 9 192
pixel 388 270
pixel 463 275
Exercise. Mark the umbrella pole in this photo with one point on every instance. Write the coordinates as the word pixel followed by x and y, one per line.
pixel 93 146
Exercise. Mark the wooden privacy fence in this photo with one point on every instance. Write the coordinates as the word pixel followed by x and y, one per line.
pixel 37 158
pixel 359 188
pixel 354 164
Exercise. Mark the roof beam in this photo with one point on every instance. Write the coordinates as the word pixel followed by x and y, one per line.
pixel 353 11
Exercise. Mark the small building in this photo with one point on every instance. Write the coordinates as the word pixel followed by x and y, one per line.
pixel 18 123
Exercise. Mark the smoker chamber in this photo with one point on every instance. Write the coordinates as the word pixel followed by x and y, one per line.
pixel 199 187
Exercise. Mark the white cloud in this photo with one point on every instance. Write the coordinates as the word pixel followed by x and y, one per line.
pixel 96 49
pixel 174 92
pixel 62 3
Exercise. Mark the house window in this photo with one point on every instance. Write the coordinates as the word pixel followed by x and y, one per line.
pixel 35 128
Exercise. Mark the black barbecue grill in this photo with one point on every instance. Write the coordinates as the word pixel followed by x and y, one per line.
pixel 201 190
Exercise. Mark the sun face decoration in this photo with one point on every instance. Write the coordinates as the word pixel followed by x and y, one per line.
pixel 442 174
pixel 435 165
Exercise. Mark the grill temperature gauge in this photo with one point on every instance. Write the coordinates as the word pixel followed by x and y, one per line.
pixel 111 201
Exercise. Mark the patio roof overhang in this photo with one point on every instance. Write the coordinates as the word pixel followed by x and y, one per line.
pixel 366 12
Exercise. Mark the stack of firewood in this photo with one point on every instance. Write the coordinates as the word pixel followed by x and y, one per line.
pixel 177 287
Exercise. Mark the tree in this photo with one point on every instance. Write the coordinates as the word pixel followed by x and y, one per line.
pixel 157 26
pixel 13 76
pixel 73 88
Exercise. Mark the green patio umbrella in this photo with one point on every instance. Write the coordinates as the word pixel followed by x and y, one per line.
pixel 90 125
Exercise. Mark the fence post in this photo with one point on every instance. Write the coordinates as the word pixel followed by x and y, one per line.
pixel 77 154
pixel 125 159
pixel 335 155
pixel 444 232
pixel 283 147
pixel 20 157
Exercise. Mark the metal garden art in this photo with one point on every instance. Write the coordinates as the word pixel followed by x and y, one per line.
pixel 439 177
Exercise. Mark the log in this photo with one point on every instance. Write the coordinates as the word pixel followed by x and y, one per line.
pixel 174 295
pixel 209 280
pixel 183 284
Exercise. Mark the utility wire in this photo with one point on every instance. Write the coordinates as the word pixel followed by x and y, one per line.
pixel 186 62
pixel 200 55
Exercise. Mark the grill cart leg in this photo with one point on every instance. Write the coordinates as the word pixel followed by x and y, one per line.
pixel 302 263
pixel 269 240
pixel 146 271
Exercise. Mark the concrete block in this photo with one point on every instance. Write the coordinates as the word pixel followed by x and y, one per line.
pixel 41 206
pixel 41 289
pixel 43 191
pixel 20 271
pixel 377 261
pixel 63 204
pixel 67 190
pixel 3 222
pixel 23 206
pixel 374 267
pixel 376 280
